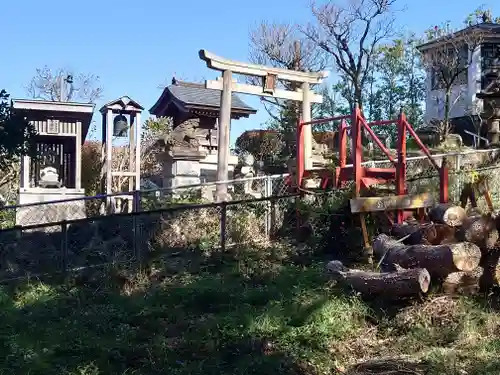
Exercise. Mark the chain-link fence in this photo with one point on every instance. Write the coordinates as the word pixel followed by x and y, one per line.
pixel 96 206
pixel 82 244
pixel 421 177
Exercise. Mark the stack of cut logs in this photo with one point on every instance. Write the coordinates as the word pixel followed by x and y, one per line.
pixel 455 250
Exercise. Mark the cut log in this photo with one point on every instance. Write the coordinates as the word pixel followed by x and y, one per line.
pixel 481 230
pixel 491 265
pixel 447 214
pixel 412 233
pixel 463 282
pixel 439 260
pixel 402 283
pixel 428 233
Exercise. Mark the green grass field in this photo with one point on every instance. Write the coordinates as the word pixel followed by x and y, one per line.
pixel 249 312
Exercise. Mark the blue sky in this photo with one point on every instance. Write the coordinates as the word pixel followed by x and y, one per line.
pixel 134 46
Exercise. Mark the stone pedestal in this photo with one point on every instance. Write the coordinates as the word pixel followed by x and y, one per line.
pixel 49 212
pixel 208 173
pixel 182 167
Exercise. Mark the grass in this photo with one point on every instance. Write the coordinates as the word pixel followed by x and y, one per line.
pixel 248 312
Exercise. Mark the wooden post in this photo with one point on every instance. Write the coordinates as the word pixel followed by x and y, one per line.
pixel 78 155
pixel 223 141
pixel 109 151
pixel 25 170
pixel 137 170
pixel 300 163
pixel 131 152
pixel 306 117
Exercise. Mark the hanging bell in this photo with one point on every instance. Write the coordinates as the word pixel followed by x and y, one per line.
pixel 120 126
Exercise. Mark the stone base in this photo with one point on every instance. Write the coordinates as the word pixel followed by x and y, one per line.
pixel 208 167
pixel 49 212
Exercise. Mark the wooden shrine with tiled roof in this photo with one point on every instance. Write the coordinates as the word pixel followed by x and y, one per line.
pixel 193 102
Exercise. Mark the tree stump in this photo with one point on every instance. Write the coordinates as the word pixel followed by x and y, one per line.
pixel 439 260
pixel 390 285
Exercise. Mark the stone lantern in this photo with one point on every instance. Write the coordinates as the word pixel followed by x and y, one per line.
pixel 491 106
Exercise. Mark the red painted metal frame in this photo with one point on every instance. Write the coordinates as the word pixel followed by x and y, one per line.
pixel 357 172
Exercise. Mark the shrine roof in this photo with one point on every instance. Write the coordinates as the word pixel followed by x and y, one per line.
pixel 488 28
pixel 197 96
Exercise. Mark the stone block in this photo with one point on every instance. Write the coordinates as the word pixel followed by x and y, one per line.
pixel 186 168
pixel 47 212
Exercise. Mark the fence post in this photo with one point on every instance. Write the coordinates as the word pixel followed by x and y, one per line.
pixel 223 221
pixel 136 200
pixel 64 246
pixel 268 192
pixel 18 230
pixel 136 228
pixel 458 178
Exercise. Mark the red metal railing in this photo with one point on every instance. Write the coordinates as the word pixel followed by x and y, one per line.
pixel 358 124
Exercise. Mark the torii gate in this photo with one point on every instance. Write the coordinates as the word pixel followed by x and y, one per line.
pixel 270 77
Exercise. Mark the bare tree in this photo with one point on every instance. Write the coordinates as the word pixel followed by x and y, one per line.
pixel 350 35
pixel 282 46
pixel 448 59
pixel 64 85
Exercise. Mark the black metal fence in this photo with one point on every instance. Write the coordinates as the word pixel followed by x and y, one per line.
pixel 63 247
pixel 141 200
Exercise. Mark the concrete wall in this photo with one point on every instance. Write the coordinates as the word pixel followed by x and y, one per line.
pixel 463 97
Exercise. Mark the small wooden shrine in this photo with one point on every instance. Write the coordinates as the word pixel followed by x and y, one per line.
pixel 187 102
pixel 192 153
pixel 55 174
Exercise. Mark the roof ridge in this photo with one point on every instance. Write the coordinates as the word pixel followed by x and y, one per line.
pixel 176 82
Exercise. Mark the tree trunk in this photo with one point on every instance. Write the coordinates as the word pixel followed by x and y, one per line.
pixel 402 283
pixel 463 282
pixel 439 260
pixel 446 119
pixel 448 214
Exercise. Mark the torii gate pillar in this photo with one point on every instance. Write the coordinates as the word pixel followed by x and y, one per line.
pixel 270 77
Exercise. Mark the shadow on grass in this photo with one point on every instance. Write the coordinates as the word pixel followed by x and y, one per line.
pixel 244 311
pixel 240 313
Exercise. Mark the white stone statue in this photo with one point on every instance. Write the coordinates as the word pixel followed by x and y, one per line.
pixel 49 178
pixel 246 171
pixel 388 142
